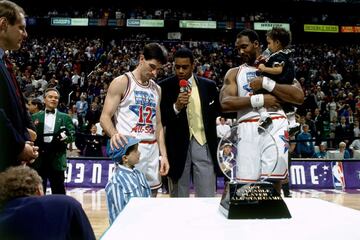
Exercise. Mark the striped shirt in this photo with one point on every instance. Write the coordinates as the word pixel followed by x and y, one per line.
pixel 124 184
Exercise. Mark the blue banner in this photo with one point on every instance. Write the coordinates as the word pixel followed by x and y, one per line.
pixel 352 174
pixel 311 175
pixel 90 173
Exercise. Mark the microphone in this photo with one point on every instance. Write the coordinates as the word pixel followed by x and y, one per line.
pixel 184 86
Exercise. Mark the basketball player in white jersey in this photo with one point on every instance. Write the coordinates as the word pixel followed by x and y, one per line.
pixel 132 108
pixel 255 158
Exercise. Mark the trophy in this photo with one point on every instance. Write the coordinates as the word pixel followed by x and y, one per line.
pixel 249 200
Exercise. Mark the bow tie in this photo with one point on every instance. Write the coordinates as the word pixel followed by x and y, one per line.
pixel 50 111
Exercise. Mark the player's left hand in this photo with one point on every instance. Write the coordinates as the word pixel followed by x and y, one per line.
pixel 256 83
pixel 261 67
pixel 164 166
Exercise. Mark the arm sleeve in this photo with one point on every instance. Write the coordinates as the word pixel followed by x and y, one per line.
pixel 9 134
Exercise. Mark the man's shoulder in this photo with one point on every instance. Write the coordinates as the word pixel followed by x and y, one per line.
pixel 167 80
pixel 62 114
pixel 234 70
pixel 206 81
pixel 53 199
pixel 38 114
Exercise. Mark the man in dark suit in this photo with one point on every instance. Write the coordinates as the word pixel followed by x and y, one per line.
pixel 16 144
pixel 189 116
pixel 27 214
pixel 55 130
pixel 93 143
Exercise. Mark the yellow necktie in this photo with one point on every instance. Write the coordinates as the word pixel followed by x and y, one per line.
pixel 194 115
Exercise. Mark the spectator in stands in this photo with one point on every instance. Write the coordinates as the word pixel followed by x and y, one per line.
pixel 343 150
pixel 322 153
pixel 35 105
pixel 132 107
pixel 189 115
pixel 127 181
pixel 222 129
pixel 355 145
pixel 93 115
pixel 356 128
pixel 93 143
pixel 15 139
pixel 55 130
pixel 82 108
pixel 343 131
pixel 26 214
pixel 318 120
pixel 305 145
pixel 311 123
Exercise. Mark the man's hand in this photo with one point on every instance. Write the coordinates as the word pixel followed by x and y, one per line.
pixel 256 83
pixel 32 134
pixel 29 153
pixel 117 140
pixel 182 100
pixel 271 102
pixel 261 67
pixel 164 166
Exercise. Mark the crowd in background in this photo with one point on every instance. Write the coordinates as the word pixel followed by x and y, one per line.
pixel 82 69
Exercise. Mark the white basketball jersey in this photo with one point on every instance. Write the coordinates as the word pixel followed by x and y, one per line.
pixel 244 76
pixel 136 113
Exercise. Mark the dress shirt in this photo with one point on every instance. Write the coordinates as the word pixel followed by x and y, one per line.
pixel 49 126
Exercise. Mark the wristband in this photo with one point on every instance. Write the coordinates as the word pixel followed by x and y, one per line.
pixel 257 100
pixel 268 84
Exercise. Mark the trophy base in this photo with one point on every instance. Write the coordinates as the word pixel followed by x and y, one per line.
pixel 257 200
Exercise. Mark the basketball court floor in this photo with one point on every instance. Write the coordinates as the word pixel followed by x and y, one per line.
pixel 94 202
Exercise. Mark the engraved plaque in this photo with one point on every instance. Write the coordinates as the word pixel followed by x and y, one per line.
pixel 248 200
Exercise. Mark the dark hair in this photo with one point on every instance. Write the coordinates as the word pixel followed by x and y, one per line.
pixel 184 53
pixel 130 149
pixel 18 182
pixel 10 11
pixel 155 51
pixel 38 103
pixel 251 34
pixel 281 35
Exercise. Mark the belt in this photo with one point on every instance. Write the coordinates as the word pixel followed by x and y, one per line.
pixel 148 142
pixel 257 119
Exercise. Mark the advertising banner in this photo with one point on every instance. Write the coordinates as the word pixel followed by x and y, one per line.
pixel 352 174
pixel 88 173
pixel 311 175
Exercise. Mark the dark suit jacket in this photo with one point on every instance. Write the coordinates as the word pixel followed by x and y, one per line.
pixel 14 121
pixel 58 153
pixel 45 217
pixel 176 126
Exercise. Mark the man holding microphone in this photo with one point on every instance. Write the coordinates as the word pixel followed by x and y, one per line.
pixel 189 107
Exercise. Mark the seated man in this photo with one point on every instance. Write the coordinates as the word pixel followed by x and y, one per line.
pixel 26 214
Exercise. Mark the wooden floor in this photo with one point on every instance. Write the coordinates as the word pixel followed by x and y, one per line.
pixel 94 202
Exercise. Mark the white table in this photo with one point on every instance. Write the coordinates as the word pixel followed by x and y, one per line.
pixel 200 218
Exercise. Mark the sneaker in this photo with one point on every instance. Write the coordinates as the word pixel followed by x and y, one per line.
pixel 266 124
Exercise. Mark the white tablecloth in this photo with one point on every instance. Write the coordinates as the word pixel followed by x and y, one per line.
pixel 200 218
